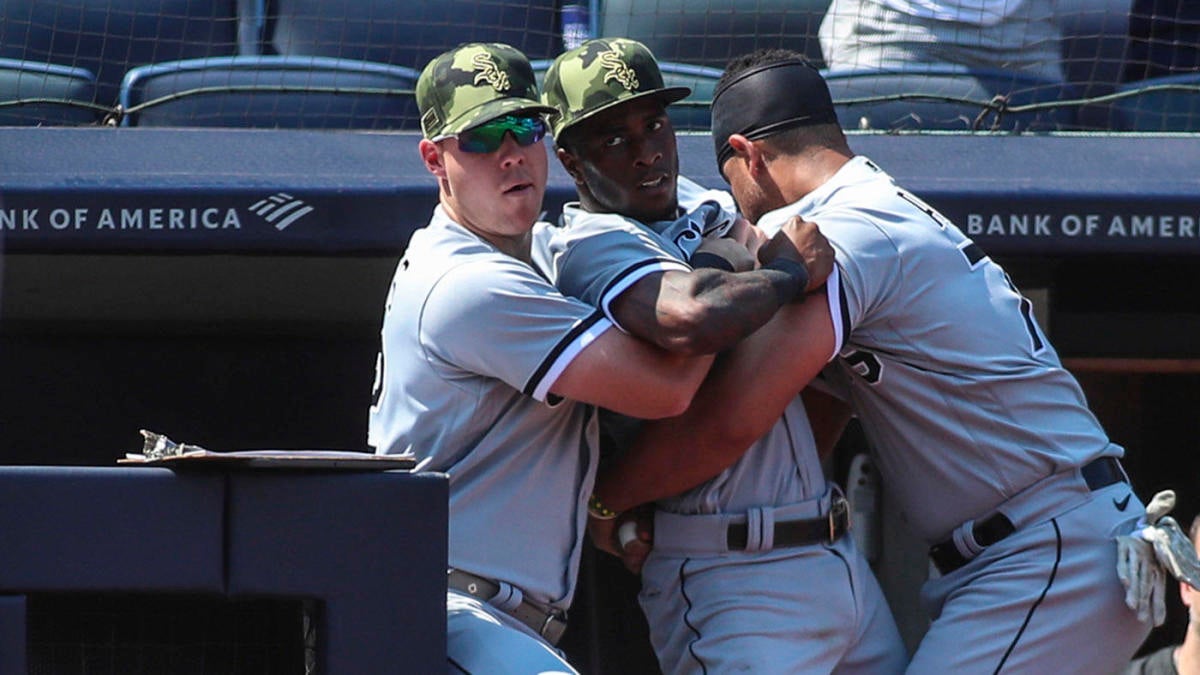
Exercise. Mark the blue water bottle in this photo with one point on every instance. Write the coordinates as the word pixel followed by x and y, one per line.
pixel 575 27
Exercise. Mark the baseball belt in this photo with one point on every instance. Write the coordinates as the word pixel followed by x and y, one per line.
pixel 1097 474
pixel 799 532
pixel 545 621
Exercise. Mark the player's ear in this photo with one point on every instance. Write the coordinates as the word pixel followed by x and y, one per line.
pixel 570 164
pixel 431 154
pixel 748 152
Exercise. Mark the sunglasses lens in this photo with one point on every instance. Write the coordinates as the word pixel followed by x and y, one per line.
pixel 489 137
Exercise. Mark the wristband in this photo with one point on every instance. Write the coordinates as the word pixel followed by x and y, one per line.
pixel 797 278
pixel 710 260
pixel 598 510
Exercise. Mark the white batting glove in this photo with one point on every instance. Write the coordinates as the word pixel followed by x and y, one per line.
pixel 1145 583
pixel 1174 549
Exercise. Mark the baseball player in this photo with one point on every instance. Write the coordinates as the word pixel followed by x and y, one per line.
pixel 489 374
pixel 982 438
pixel 750 571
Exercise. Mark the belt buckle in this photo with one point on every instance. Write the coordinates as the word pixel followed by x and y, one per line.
pixel 553 627
pixel 839 511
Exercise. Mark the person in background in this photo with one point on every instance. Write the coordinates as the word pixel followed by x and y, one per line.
pixel 1015 35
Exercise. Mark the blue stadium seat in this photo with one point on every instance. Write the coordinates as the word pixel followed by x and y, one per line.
pixel 950 105
pixel 408 33
pixel 1169 103
pixel 108 38
pixel 1094 50
pixel 271 92
pixel 1164 38
pixel 710 32
pixel 693 113
pixel 26 80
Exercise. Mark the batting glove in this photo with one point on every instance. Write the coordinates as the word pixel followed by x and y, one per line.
pixel 1143 577
pixel 1158 535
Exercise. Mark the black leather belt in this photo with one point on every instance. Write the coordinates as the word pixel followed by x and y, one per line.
pixel 1098 473
pixel 547 622
pixel 799 532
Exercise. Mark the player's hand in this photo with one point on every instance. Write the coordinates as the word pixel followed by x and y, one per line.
pixel 730 250
pixel 635 537
pixel 604 535
pixel 801 241
pixel 747 234
pixel 632 547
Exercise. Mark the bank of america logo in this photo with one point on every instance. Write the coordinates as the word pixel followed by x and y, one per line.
pixel 281 209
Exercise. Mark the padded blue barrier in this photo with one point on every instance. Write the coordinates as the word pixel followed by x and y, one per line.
pixel 14 634
pixel 29 80
pixel 108 38
pixel 1169 103
pixel 247 191
pixel 285 92
pixel 111 528
pixel 710 32
pixel 369 547
pixel 941 100
pixel 408 33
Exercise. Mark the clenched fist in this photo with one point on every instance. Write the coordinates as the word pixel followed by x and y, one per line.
pixel 801 241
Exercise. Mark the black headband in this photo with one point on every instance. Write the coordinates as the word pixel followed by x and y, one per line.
pixel 766 99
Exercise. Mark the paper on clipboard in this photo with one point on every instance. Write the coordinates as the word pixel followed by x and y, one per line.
pixel 160 450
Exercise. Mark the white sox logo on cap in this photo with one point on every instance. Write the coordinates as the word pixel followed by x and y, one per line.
pixel 488 71
pixel 618 70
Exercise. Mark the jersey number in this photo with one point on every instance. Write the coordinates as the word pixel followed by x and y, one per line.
pixel 975 258
pixel 867 365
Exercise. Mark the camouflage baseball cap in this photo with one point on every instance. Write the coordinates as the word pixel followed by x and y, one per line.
pixel 600 74
pixel 472 84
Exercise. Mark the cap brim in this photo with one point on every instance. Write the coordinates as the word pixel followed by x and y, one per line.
pixel 668 95
pixel 489 111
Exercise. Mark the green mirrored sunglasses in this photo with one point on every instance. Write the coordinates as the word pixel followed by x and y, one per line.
pixel 488 137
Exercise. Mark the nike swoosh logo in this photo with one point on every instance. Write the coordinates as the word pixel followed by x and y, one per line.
pixel 1123 503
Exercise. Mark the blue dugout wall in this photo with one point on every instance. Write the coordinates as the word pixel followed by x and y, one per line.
pixel 197 191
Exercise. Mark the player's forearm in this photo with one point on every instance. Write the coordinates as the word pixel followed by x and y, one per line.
pixel 670 456
pixel 828 417
pixel 707 311
pixel 745 393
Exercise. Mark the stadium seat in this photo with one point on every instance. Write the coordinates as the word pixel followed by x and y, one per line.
pixel 47 84
pixel 108 38
pixel 409 33
pixel 1168 103
pixel 693 113
pixel 710 32
pixel 1094 51
pixel 947 99
pixel 271 92
pixel 1164 38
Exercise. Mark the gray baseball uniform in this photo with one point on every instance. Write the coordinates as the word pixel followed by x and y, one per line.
pixel 980 435
pixel 472 340
pixel 811 608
